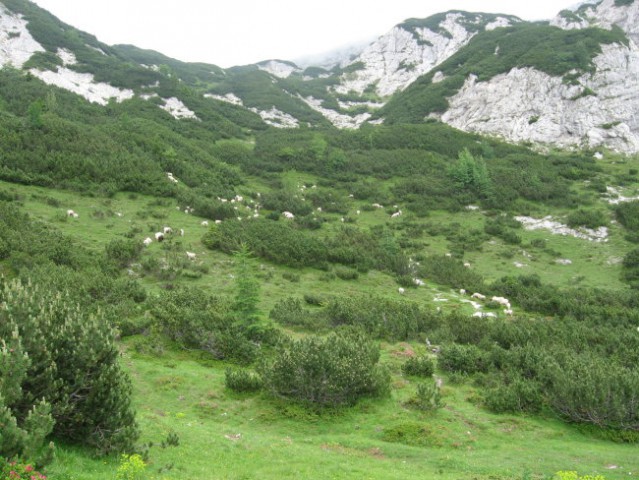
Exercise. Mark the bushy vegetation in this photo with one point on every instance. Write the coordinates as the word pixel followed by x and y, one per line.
pixel 569 349
pixel 327 372
pixel 419 366
pixel 67 368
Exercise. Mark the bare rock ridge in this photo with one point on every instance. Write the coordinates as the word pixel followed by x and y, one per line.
pixel 411 49
pixel 528 105
pixel 598 108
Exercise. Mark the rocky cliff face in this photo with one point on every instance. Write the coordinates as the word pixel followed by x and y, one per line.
pixel 396 59
pixel 601 110
pixel 603 14
pixel 16 43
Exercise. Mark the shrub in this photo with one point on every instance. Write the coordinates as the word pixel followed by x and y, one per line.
pixel 516 396
pixel 314 299
pixel 628 215
pixel 588 389
pixel 427 397
pixel 380 317
pixel 289 311
pixel 327 372
pixel 131 468
pixel 242 381
pixel 73 363
pixel 123 251
pixel 587 218
pixel 419 367
pixel 16 470
pixel 463 359
pixel 346 273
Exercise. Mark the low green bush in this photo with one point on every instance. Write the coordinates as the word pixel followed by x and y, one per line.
pixel 419 367
pixel 327 372
pixel 242 381
pixel 463 359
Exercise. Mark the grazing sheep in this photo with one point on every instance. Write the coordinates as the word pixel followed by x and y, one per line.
pixel 288 215
pixel 418 282
pixel 502 301
pixel 478 296
pixel 159 236
pixel 205 223
pixel 181 232
pixel 377 205
pixel 462 291
pixel 484 315
pixel 71 213
pixel 167 230
pixel 170 176
pixel 401 290
pixel 398 213
pixel 217 222
pixel 466 264
pixel 147 241
pixel 508 312
pixel 190 255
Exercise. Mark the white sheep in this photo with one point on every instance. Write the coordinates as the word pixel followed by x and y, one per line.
pixel 502 301
pixel 288 215
pixel 377 205
pixel 484 315
pixel 462 291
pixel 159 236
pixel 204 223
pixel 419 282
pixel 466 265
pixel 508 312
pixel 401 290
pixel 478 296
pixel 147 241
pixel 181 232
pixel 167 230
pixel 398 213
pixel 190 255
pixel 71 213
pixel 217 222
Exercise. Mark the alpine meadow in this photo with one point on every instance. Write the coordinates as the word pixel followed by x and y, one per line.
pixel 417 261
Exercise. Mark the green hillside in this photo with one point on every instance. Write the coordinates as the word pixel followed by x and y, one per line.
pixel 217 298
pixel 557 52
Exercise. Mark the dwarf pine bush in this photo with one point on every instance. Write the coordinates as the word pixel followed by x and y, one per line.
pixel 67 365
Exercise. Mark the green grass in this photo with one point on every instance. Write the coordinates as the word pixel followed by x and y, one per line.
pixel 228 436
pixel 183 392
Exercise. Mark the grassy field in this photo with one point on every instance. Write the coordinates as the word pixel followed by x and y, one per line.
pixel 229 436
pixel 223 435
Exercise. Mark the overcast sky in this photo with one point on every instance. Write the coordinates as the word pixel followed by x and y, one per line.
pixel 239 32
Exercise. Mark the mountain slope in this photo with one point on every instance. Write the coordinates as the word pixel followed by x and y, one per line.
pixel 538 83
pixel 413 48
pixel 570 83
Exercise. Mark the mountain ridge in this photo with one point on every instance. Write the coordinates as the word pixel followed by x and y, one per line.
pixel 394 78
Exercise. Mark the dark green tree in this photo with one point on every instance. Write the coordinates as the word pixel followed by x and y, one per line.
pixel 73 366
pixel 247 294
